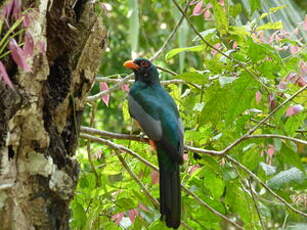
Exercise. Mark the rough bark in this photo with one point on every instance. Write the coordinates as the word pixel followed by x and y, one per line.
pixel 40 119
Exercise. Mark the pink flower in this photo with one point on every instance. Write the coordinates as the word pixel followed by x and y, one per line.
pixel 235 45
pixel 133 214
pixel 217 46
pixel 305 23
pixel 26 20
pixel 294 49
pixel 154 177
pixel 258 97
pixel 29 45
pixel 207 14
pixel 17 9
pixel 5 76
pixel 270 153
pixel 144 208
pixel 105 98
pixel 292 110
pixel 198 9
pixel 118 217
pixel 7 9
pixel 282 84
pixel 192 169
pixel 271 150
pixel 18 55
pixel 125 87
pixel 303 67
pixel 222 2
pixel 272 102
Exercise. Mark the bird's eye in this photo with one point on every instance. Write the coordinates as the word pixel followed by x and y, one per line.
pixel 144 64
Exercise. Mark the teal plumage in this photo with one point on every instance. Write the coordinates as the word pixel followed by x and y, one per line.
pixel 157 114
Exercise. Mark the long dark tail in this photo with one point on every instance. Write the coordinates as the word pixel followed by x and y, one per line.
pixel 170 194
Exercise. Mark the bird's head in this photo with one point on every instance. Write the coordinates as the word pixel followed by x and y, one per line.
pixel 143 70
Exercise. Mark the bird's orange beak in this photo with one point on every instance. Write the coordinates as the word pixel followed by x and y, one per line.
pixel 131 65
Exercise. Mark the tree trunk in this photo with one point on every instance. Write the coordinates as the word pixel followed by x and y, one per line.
pixel 40 119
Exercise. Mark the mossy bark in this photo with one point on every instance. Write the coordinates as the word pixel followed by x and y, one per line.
pixel 40 119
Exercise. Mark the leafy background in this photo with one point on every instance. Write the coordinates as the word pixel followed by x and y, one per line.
pixel 219 99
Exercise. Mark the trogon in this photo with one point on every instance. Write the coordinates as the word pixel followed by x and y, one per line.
pixel 157 114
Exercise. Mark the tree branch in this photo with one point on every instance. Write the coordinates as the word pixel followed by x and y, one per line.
pixel 123 148
pixel 120 136
pixel 277 136
pixel 137 180
pixel 88 146
pixel 116 80
pixel 256 205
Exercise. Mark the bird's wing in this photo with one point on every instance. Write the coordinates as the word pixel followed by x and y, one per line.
pixel 150 124
pixel 158 116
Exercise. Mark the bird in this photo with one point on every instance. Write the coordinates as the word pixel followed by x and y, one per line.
pixel 157 114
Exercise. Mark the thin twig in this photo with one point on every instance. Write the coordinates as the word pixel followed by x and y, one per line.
pixel 217 50
pixel 166 70
pixel 137 180
pixel 88 146
pixel 277 136
pixel 123 148
pixel 116 80
pixel 256 205
pixel 121 136
pixel 170 36
pixel 127 78
pixel 249 132
pixel 274 126
pixel 155 202
pixel 264 185
pixel 203 203
pixel 108 91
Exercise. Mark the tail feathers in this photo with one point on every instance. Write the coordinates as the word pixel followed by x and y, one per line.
pixel 170 196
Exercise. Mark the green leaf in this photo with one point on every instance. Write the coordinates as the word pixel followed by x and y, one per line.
pixel 79 215
pixel 193 77
pixel 294 122
pixel 221 17
pixel 205 33
pixel 213 183
pixel 226 80
pixel 222 103
pixel 270 26
pixel 290 157
pixel 125 204
pixel 286 178
pixel 254 4
pixel 239 30
pixel 235 10
pixel 241 204
pixel 125 111
pixel 251 158
pixel 272 11
pixel 176 51
pixel 269 69
pixel 256 51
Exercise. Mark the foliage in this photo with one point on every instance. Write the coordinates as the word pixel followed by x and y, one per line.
pixel 257 66
pixel 13 24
